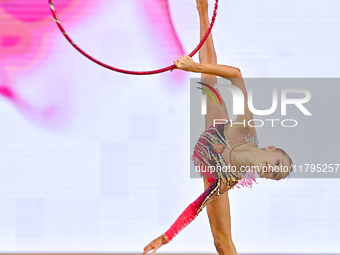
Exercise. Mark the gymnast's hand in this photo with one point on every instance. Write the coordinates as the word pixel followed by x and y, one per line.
pixel 185 63
pixel 155 244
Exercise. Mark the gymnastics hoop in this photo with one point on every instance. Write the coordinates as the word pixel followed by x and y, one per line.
pixel 54 13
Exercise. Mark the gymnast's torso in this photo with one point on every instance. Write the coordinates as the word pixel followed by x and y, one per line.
pixel 215 145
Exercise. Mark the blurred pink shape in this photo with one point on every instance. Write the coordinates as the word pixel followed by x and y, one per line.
pixel 30 11
pixel 157 16
pixel 7 93
pixel 26 25
pixel 9 41
pixel 15 37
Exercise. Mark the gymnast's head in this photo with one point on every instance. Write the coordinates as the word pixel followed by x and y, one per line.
pixel 274 163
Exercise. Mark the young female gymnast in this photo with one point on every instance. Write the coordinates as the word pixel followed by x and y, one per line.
pixel 220 146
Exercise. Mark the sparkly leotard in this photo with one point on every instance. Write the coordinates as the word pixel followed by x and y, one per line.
pixel 216 142
pixel 212 144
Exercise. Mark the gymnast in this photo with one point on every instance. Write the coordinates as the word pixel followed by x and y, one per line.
pixel 222 145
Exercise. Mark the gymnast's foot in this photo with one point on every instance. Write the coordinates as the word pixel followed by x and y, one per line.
pixel 202 5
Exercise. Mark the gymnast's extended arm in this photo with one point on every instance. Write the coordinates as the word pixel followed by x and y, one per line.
pixel 189 214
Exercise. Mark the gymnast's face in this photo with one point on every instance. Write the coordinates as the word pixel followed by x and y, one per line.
pixel 273 164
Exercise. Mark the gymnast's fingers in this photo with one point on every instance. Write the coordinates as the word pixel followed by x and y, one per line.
pixel 180 59
pixel 151 247
pixel 184 57
pixel 177 63
pixel 154 250
pixel 147 248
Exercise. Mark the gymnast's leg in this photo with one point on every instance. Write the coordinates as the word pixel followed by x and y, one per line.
pixel 219 210
pixel 207 55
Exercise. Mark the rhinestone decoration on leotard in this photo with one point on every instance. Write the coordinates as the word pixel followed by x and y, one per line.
pixel 251 138
pixel 207 152
pixel 204 154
